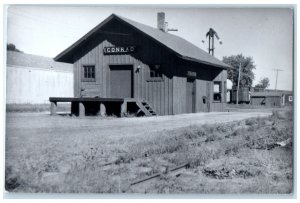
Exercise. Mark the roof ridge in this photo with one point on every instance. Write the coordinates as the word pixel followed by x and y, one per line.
pixel 172 35
pixel 180 46
pixel 162 32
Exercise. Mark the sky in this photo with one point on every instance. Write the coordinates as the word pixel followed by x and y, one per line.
pixel 265 34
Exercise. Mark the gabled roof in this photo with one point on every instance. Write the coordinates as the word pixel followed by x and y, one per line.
pixel 180 46
pixel 33 61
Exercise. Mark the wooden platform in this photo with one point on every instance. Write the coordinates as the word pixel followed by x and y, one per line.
pixel 85 99
pixel 81 106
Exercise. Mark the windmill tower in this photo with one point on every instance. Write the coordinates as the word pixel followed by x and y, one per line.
pixel 211 34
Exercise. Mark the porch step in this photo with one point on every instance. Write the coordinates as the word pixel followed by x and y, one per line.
pixel 146 108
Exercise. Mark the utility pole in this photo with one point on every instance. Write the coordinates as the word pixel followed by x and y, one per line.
pixel 277 70
pixel 238 85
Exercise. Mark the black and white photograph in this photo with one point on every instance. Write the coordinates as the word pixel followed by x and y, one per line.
pixel 140 100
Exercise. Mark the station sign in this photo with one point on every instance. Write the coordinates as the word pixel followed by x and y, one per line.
pixel 119 50
pixel 191 74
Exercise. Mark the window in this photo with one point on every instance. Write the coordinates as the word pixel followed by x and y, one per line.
pixel 290 98
pixel 217 91
pixel 89 73
pixel 155 71
pixel 155 74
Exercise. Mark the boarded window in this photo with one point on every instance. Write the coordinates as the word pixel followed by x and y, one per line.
pixel 217 91
pixel 89 73
pixel 155 71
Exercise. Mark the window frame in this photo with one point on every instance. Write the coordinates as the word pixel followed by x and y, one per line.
pixel 90 73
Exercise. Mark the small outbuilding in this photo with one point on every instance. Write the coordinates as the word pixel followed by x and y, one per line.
pixel 273 98
pixel 122 67
pixel 270 99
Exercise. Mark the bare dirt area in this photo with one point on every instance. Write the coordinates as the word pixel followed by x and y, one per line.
pixel 228 152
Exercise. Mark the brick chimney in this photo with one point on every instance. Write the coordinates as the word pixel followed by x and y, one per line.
pixel 161 21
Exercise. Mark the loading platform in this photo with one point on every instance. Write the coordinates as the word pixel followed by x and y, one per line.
pixel 82 106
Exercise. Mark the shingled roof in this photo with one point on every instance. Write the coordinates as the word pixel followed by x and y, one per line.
pixel 180 46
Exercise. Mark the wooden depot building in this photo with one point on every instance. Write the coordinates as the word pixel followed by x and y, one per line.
pixel 124 67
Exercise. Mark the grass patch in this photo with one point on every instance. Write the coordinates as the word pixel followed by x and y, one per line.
pixel 235 157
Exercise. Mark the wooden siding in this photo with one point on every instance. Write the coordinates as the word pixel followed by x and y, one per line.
pixel 179 95
pixel 166 95
pixel 157 92
pixel 269 101
pixel 201 92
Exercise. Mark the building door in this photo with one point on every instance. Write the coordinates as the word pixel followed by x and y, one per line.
pixel 121 81
pixel 191 96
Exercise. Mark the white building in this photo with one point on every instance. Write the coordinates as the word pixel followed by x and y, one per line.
pixel 33 79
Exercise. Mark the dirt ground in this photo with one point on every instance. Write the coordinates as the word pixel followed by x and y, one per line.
pixel 69 154
pixel 42 123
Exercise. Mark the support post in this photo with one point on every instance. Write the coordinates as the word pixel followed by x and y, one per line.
pixel 102 111
pixel 75 108
pixel 81 109
pixel 212 46
pixel 124 109
pixel 53 108
pixel 209 45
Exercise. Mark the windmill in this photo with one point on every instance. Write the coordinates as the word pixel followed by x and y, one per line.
pixel 211 34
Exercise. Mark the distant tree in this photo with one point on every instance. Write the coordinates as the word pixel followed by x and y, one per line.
pixel 246 75
pixel 12 47
pixel 263 83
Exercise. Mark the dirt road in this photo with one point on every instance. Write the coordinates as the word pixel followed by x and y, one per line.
pixel 41 123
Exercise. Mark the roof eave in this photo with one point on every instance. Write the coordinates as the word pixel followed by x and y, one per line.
pixel 204 62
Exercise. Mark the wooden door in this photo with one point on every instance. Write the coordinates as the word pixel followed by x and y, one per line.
pixel 190 96
pixel 121 81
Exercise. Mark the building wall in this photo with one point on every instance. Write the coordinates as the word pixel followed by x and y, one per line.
pixel 273 101
pixel 257 100
pixel 36 85
pixel 157 92
pixel 179 95
pixel 267 101
pixel 202 88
